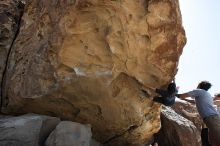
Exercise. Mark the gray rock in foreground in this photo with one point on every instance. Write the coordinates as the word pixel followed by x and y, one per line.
pixel 26 130
pixel 70 134
pixel 93 142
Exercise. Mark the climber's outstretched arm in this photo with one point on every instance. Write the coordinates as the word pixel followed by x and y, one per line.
pixel 183 96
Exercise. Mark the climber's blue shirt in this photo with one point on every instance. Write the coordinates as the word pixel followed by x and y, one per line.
pixel 204 102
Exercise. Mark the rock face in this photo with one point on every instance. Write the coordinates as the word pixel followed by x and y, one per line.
pixel 26 130
pixel 177 130
pixel 70 134
pixel 86 60
pixel 10 14
pixel 190 108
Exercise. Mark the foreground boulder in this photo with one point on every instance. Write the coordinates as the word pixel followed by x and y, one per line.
pixel 70 134
pixel 26 130
pixel 86 61
pixel 177 130
pixel 192 114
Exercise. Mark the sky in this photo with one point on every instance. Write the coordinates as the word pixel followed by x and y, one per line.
pixel 201 55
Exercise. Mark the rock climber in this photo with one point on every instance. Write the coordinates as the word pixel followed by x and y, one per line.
pixel 167 97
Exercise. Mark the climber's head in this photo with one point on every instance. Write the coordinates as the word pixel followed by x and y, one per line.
pixel 205 85
pixel 172 87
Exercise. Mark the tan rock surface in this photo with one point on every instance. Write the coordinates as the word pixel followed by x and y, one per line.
pixel 86 61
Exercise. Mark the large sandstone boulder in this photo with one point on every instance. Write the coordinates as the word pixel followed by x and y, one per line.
pixel 26 130
pixel 86 61
pixel 177 130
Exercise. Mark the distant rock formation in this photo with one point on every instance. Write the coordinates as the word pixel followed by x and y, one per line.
pixel 86 61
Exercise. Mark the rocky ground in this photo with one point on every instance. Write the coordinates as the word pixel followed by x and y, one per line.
pixel 40 130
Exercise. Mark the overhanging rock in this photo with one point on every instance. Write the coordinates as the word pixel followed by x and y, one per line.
pixel 86 61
